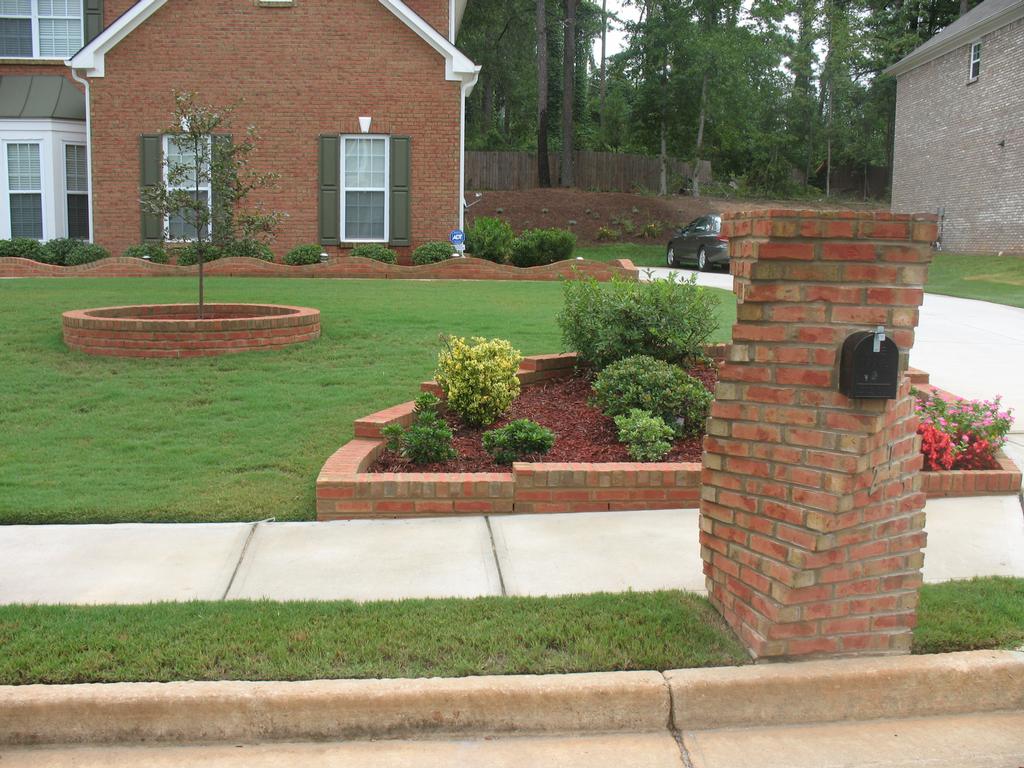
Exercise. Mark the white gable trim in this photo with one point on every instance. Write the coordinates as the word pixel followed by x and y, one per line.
pixel 90 59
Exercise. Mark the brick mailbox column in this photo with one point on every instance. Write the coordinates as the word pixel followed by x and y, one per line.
pixel 811 513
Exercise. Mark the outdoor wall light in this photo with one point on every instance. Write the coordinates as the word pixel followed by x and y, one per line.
pixel 364 124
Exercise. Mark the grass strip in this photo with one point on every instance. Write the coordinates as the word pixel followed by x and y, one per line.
pixel 970 615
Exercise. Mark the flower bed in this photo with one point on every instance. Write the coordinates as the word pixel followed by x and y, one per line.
pixel 347 487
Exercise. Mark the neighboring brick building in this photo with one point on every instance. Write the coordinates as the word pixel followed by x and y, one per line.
pixel 959 148
pixel 305 72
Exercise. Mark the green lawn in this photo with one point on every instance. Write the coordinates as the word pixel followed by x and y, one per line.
pixel 640 255
pixel 412 638
pixel 988 278
pixel 421 638
pixel 240 437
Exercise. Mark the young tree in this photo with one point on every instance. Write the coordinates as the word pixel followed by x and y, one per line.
pixel 204 158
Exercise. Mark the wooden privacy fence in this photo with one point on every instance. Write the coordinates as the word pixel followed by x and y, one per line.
pixel 599 171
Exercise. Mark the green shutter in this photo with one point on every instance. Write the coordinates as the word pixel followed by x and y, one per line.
pixel 401 229
pixel 330 192
pixel 223 213
pixel 151 175
pixel 93 13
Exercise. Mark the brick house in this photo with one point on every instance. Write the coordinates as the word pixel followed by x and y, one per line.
pixel 959 145
pixel 360 108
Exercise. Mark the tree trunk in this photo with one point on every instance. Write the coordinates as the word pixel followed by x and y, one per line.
pixel 543 171
pixel 487 109
pixel 568 90
pixel 663 161
pixel 604 60
pixel 965 6
pixel 695 175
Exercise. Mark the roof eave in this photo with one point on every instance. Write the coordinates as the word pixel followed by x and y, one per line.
pixel 916 58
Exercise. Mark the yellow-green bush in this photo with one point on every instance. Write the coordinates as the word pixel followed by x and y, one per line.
pixel 478 378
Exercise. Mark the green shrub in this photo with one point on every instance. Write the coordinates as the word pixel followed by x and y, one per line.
pixel 86 253
pixel 660 388
pixel 648 437
pixel 478 378
pixel 249 248
pixel 490 238
pixel 519 438
pixel 664 319
pixel 607 234
pixel 24 248
pixel 431 253
pixel 428 440
pixel 189 254
pixel 303 254
pixel 58 249
pixel 375 251
pixel 536 247
pixel 149 251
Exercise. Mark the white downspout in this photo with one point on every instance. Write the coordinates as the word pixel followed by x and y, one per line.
pixel 88 144
pixel 467 88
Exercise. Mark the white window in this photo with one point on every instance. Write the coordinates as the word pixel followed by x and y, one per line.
pixel 180 157
pixel 49 29
pixel 25 190
pixel 76 186
pixel 975 61
pixel 364 179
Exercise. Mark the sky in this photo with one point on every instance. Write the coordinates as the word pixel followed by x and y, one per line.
pixel 616 37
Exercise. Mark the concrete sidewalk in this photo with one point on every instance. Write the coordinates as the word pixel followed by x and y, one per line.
pixel 442 557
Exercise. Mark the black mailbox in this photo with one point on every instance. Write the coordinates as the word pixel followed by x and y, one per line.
pixel 869 366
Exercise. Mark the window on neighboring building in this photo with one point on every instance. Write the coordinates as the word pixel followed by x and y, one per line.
pixel 181 226
pixel 25 189
pixel 76 175
pixel 975 61
pixel 364 175
pixel 40 28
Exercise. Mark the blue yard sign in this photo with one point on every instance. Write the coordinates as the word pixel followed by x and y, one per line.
pixel 457 237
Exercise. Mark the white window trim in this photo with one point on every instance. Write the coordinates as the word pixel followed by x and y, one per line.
pixel 65 192
pixel 972 60
pixel 386 189
pixel 6 224
pixel 207 188
pixel 34 19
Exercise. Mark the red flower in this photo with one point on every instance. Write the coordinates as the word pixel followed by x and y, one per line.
pixel 936 447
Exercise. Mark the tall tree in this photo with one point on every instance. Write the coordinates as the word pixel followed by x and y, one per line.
pixel 543 170
pixel 568 178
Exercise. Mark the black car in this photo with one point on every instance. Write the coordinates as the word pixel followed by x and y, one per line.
pixel 699 242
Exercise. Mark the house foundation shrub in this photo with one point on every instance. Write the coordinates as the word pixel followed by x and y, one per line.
pixel 647 437
pixel 376 252
pixel 303 254
pixel 189 254
pixel 660 388
pixel 58 250
pixel 249 248
pixel 665 319
pixel 490 238
pixel 432 253
pixel 148 251
pixel 517 439
pixel 24 248
pixel 537 247
pixel 478 378
pixel 86 253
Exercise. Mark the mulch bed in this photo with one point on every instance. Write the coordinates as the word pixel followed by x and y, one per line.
pixel 582 432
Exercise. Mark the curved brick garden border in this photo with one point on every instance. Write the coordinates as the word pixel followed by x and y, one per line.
pixel 346 490
pixel 172 330
pixel 340 267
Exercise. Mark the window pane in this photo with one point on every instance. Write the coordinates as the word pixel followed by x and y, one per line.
pixel 23 167
pixel 15 37
pixel 364 163
pixel 181 225
pixel 78 216
pixel 68 8
pixel 59 37
pixel 15 7
pixel 364 215
pixel 76 168
pixel 181 162
pixel 27 216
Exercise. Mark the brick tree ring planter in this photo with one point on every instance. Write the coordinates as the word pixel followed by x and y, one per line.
pixel 174 330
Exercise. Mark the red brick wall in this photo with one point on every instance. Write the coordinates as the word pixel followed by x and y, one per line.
pixel 302 71
pixel 811 511
pixel 434 12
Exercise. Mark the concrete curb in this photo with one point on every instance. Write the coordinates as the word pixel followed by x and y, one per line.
pixel 849 689
pixel 635 702
pixel 333 709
